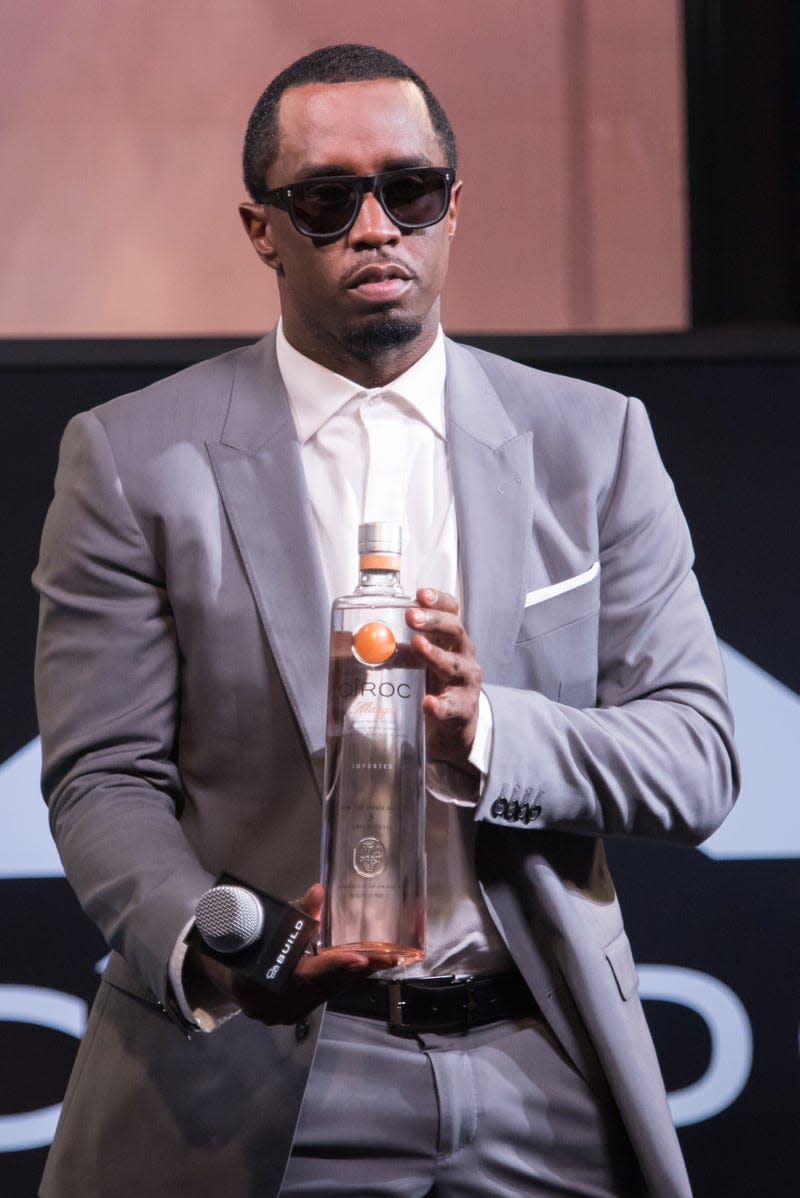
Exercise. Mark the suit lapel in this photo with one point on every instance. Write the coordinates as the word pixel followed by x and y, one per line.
pixel 492 471
pixel 260 477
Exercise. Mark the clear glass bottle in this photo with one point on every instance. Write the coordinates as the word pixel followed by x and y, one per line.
pixel 373 846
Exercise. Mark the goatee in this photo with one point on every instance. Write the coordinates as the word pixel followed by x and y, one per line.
pixel 376 337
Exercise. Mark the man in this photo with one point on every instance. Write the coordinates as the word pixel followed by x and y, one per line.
pixel 198 532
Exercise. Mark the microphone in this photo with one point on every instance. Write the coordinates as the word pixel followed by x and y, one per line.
pixel 251 931
pixel 229 918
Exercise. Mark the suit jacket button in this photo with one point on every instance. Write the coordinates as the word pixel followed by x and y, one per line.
pixel 302 1028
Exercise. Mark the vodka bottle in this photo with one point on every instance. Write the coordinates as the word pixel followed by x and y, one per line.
pixel 373 847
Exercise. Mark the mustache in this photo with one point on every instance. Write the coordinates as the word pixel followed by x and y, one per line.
pixel 381 266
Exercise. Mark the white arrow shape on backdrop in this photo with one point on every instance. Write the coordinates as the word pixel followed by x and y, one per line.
pixel 766 820
pixel 26 849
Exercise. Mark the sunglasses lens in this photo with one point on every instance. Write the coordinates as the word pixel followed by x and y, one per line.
pixel 412 199
pixel 323 209
pixel 415 199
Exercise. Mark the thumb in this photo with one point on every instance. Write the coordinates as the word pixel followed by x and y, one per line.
pixel 312 900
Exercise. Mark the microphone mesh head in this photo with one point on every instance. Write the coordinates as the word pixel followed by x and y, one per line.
pixel 229 918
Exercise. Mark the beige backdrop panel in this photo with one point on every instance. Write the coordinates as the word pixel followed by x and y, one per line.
pixel 122 124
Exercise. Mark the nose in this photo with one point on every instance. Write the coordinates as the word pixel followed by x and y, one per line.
pixel 372 226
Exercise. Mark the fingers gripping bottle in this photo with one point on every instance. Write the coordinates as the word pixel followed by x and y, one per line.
pixel 373 845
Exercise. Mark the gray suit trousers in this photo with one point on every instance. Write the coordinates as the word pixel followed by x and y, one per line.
pixel 499 1111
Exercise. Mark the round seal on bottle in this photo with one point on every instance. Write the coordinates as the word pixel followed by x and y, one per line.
pixel 369 857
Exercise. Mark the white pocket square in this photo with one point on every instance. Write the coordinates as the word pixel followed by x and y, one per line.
pixel 558 588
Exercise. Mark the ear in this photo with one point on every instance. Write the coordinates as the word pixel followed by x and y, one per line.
pixel 258 227
pixel 452 211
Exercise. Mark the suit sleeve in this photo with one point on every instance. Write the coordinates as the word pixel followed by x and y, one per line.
pixel 655 756
pixel 108 695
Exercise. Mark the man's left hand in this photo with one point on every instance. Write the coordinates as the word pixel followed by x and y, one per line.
pixel 454 676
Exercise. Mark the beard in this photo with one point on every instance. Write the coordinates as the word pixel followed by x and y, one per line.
pixel 378 336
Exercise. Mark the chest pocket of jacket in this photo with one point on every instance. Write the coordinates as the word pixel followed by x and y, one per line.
pixel 556 649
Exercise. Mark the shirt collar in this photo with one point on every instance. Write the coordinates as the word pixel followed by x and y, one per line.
pixel 316 393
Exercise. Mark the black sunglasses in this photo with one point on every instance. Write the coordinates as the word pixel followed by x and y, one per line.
pixel 412 198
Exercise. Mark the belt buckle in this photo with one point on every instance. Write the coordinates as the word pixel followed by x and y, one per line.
pixel 398 1020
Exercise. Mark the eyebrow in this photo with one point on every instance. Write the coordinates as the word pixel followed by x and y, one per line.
pixel 330 170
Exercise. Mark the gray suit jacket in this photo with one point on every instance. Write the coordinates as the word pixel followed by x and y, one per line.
pixel 181 679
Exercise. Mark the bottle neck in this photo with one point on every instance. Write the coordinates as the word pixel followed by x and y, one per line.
pixel 379 573
pixel 379 581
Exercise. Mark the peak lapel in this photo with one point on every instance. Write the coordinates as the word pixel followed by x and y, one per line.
pixel 260 477
pixel 492 470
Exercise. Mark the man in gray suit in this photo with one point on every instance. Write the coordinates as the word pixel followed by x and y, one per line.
pixel 198 531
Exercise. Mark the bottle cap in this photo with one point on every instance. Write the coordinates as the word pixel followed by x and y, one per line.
pixel 381 537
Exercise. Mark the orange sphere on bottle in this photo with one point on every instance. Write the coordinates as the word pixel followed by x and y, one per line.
pixel 374 643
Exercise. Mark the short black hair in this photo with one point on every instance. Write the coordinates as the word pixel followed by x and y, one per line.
pixel 345 63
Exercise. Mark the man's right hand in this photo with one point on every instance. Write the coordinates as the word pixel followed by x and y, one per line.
pixel 208 983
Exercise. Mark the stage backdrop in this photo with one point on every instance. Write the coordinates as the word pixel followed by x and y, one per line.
pixel 714 931
pixel 122 127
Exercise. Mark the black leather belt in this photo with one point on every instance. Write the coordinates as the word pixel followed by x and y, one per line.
pixel 445 1004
